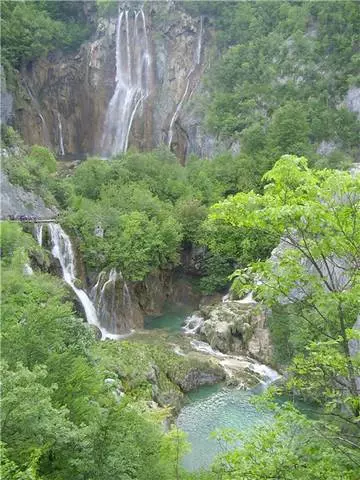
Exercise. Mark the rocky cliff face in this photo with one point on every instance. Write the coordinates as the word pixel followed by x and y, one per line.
pixel 16 201
pixel 149 62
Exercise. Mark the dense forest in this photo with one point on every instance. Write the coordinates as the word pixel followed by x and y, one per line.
pixel 278 217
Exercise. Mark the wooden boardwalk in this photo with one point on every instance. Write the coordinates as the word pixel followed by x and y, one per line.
pixel 29 220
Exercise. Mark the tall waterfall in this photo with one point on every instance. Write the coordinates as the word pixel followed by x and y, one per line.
pixel 132 81
pixel 63 251
pixel 61 139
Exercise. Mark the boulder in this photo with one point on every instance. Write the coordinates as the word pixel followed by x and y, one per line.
pixel 237 328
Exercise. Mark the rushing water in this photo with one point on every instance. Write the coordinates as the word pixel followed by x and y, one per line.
pixel 112 299
pixel 61 139
pixel 132 81
pixel 210 409
pixel 63 251
pixel 186 93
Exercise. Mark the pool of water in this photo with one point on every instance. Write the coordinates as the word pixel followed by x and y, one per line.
pixel 209 408
pixel 172 321
pixel 213 408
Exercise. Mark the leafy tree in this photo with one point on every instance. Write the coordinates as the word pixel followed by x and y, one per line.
pixel 289 129
pixel 31 29
pixel 314 274
pixel 292 448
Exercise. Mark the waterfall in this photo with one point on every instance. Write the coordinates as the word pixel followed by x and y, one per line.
pixel 61 140
pixel 39 233
pixel 38 110
pixel 178 108
pixel 232 363
pixel 199 45
pixel 112 299
pixel 63 251
pixel 193 324
pixel 27 270
pixel 197 61
pixel 133 62
pixel 268 374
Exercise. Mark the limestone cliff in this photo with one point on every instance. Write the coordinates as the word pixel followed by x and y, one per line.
pixel 63 100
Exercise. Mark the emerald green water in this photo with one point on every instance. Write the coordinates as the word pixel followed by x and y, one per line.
pixel 171 321
pixel 210 409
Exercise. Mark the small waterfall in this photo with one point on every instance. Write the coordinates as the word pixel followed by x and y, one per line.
pixel 178 108
pixel 112 299
pixel 61 140
pixel 39 233
pixel 63 251
pixel 193 323
pixel 38 110
pixel 133 62
pixel 126 295
pixel 197 61
pixel 248 299
pixel 199 45
pixel 232 363
pixel 268 374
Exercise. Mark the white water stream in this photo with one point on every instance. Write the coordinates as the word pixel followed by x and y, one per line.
pixel 132 80
pixel 61 139
pixel 197 61
pixel 38 109
pixel 63 251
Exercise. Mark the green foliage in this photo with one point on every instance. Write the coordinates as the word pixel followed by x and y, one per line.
pixel 31 29
pixel 293 448
pixel 33 170
pixel 59 418
pixel 10 137
pixel 148 205
pixel 313 274
pixel 217 270
pixel 284 73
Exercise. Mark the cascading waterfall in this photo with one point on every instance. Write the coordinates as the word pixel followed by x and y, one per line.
pixel 27 270
pixel 61 139
pixel 232 363
pixel 193 324
pixel 63 251
pixel 112 306
pixel 132 81
pixel 126 294
pixel 197 61
pixel 39 233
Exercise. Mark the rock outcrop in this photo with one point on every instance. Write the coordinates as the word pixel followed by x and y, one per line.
pixel 6 99
pixel 17 201
pixel 238 328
